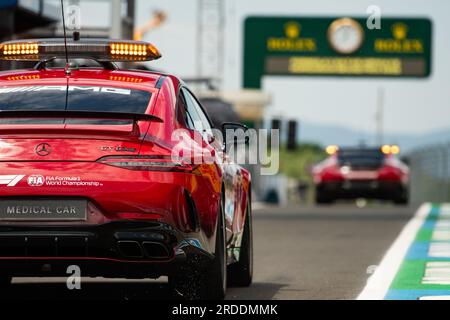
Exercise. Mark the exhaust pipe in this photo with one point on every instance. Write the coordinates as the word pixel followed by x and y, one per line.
pixel 130 249
pixel 155 250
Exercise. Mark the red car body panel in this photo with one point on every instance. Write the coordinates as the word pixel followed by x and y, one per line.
pixel 114 193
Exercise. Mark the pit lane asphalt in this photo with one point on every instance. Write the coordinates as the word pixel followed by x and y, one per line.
pixel 300 253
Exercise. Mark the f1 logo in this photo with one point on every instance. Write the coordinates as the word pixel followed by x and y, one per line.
pixel 10 181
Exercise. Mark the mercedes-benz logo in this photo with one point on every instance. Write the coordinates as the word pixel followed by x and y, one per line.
pixel 43 149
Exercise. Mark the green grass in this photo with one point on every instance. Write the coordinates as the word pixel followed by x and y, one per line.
pixel 297 164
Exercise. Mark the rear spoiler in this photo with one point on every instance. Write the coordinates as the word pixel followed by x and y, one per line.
pixel 55 114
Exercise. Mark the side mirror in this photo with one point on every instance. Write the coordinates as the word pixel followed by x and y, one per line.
pixel 234 133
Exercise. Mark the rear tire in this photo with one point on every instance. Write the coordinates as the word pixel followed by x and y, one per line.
pixel 403 201
pixel 403 198
pixel 240 274
pixel 197 283
pixel 215 285
pixel 322 199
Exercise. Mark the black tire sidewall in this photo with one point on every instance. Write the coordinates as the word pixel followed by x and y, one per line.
pixel 246 254
pixel 216 279
pixel 240 273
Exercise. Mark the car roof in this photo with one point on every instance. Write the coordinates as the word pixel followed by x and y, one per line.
pixel 126 78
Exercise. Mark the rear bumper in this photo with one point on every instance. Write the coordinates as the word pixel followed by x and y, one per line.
pixel 366 189
pixel 126 249
pixel 113 194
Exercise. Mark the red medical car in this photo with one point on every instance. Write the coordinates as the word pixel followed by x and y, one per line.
pixel 362 172
pixel 92 175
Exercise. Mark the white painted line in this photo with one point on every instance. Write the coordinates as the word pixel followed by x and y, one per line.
pixel 437 273
pixel 439 250
pixel 442 224
pixel 445 209
pixel 442 281
pixel 378 284
pixel 440 235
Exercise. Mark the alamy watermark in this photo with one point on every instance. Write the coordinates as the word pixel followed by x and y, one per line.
pixel 74 279
pixel 73 17
pixel 245 147
pixel 373 21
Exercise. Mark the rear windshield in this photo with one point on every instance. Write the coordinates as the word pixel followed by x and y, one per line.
pixel 79 98
pixel 361 157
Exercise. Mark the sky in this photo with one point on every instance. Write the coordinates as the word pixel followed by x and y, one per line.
pixel 411 106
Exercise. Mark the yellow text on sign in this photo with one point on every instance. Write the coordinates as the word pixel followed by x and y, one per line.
pixel 371 66
pixel 291 45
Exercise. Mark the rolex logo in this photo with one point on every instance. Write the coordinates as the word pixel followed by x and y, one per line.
pixel 400 31
pixel 292 30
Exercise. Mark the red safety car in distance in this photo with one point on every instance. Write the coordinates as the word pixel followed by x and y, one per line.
pixel 88 175
pixel 361 172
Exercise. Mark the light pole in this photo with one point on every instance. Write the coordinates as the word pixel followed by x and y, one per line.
pixel 116 19
pixel 210 39
pixel 379 117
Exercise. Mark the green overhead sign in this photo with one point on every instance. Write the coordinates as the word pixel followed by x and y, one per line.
pixel 330 46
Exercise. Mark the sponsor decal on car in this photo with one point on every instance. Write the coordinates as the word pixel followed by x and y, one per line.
pixel 10 180
pixel 36 180
pixel 117 149
pixel 49 181
pixel 64 88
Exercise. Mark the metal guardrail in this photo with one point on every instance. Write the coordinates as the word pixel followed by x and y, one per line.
pixel 430 174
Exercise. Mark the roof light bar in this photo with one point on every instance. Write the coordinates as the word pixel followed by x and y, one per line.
pixel 395 149
pixel 99 49
pixel 390 149
pixel 386 149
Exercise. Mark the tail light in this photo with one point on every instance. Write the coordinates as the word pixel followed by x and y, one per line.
pixel 328 170
pixel 390 170
pixel 393 170
pixel 148 163
pixel 332 174
pixel 389 173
